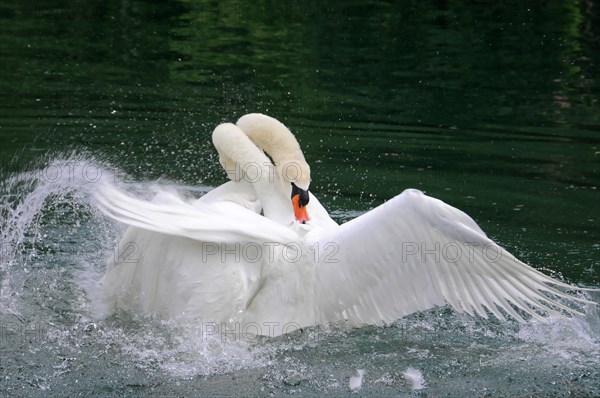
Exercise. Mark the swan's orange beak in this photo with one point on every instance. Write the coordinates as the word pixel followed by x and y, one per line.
pixel 300 198
pixel 299 209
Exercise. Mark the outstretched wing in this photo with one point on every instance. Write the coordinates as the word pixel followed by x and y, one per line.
pixel 217 221
pixel 415 252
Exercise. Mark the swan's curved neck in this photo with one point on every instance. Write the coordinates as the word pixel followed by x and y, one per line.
pixel 246 163
pixel 239 156
pixel 274 138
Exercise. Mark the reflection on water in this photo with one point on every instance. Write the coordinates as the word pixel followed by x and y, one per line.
pixel 490 107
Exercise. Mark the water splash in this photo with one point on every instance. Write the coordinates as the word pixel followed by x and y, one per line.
pixel 68 181
pixel 54 246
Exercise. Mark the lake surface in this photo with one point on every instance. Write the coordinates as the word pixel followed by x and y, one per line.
pixel 493 108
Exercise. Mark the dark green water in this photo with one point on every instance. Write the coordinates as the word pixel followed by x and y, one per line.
pixel 493 108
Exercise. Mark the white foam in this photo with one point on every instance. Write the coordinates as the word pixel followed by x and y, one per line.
pixel 355 382
pixel 415 378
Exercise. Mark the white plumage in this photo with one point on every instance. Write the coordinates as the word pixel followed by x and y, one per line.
pixel 221 262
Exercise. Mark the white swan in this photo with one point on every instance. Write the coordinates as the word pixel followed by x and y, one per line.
pixel 221 262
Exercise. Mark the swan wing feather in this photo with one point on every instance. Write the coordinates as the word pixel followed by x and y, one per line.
pixel 415 252
pixel 219 222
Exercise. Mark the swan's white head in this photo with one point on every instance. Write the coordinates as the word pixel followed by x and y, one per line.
pixel 241 148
